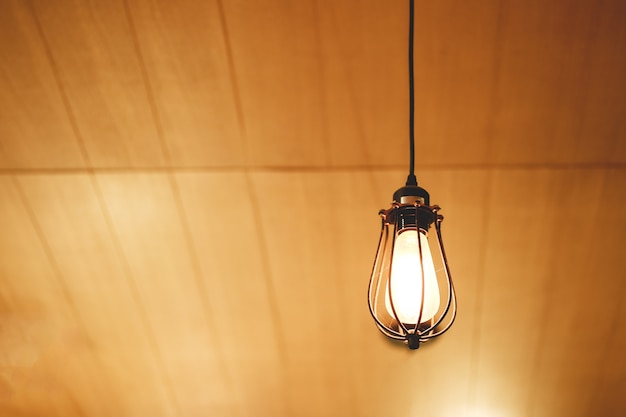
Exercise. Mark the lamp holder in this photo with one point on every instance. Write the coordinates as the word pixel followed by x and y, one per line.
pixel 411 194
pixel 411 216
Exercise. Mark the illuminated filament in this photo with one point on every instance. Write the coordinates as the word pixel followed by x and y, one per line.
pixel 406 279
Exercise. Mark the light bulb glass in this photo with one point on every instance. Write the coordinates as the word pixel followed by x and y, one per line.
pixel 406 279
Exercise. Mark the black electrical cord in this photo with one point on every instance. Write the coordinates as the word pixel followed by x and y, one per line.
pixel 411 180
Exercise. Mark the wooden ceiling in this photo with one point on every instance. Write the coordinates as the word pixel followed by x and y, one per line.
pixel 189 195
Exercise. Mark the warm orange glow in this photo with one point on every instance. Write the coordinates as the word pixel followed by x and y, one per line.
pixel 406 279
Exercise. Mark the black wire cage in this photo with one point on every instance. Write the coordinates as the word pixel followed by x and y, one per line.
pixel 411 295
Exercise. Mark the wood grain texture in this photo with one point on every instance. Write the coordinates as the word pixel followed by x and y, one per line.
pixel 75 228
pixel 93 48
pixel 35 130
pixel 229 243
pixel 189 195
pixel 147 221
pixel 187 65
pixel 280 98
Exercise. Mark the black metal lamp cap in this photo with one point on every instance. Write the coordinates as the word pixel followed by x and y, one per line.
pixel 411 194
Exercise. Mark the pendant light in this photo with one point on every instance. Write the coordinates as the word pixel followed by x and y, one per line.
pixel 411 296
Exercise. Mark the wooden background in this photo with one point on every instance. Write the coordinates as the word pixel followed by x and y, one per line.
pixel 189 195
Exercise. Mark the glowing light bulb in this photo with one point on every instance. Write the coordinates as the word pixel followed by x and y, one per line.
pixel 406 279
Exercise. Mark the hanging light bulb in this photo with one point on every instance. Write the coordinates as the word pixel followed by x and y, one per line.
pixel 405 285
pixel 411 296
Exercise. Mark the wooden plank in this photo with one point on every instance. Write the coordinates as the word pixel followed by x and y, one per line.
pixel 276 60
pixel 95 54
pixel 455 78
pixel 300 279
pixel 44 351
pixel 35 130
pixel 542 294
pixel 344 206
pixel 147 221
pixel 75 227
pixel 560 70
pixel 610 266
pixel 585 299
pixel 513 294
pixel 362 53
pixel 229 241
pixel 602 135
pixel 187 64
